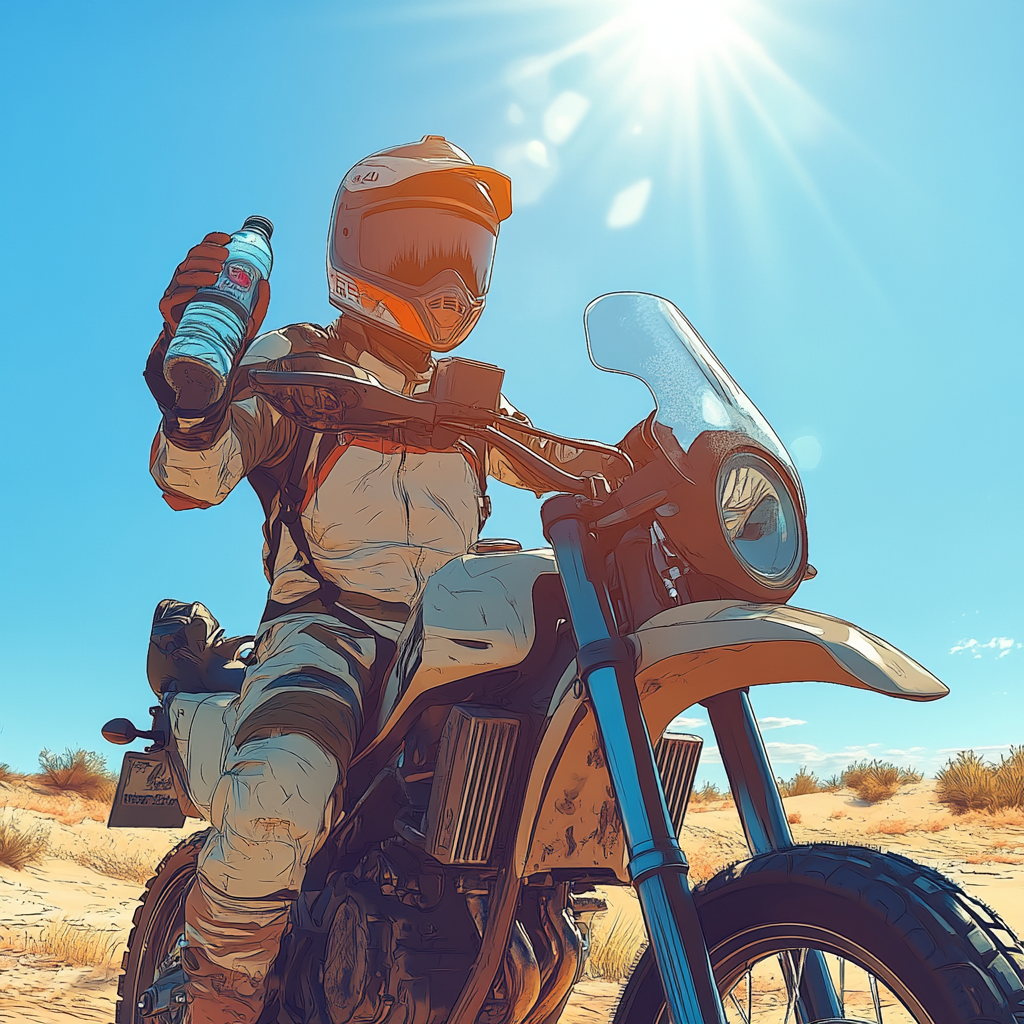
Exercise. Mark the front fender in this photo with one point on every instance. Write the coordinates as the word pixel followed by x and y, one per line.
pixel 687 655
pixel 709 647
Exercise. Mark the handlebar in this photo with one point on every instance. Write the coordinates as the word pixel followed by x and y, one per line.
pixel 326 401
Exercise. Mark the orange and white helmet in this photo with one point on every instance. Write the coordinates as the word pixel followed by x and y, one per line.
pixel 412 241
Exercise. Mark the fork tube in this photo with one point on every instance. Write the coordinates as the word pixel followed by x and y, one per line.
pixel 657 866
pixel 764 822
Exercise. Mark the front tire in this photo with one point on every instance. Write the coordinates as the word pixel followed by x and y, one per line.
pixel 158 923
pixel 944 955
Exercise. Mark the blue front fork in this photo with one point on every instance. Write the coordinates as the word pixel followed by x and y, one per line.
pixel 657 866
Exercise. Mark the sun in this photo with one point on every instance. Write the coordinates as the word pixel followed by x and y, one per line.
pixel 668 35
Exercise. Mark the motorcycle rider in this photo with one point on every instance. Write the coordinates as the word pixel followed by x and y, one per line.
pixel 355 526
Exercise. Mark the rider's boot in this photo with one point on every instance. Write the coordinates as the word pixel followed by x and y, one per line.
pixel 226 978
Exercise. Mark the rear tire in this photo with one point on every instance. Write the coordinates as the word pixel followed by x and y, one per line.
pixel 944 954
pixel 157 923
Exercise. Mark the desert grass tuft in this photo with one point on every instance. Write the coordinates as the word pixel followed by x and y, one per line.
pixel 1009 779
pixel 837 814
pixel 7 774
pixel 875 781
pixel 709 793
pixel 615 949
pixel 794 817
pixel 891 827
pixel 802 784
pixel 970 783
pixel 67 808
pixel 110 861
pixel 77 771
pixel 21 844
pixel 69 943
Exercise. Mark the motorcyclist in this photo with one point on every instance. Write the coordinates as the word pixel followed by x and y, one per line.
pixel 355 526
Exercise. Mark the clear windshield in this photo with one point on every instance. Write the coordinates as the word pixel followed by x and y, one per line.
pixel 646 337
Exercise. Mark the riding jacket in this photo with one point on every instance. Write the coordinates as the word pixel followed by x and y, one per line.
pixel 379 516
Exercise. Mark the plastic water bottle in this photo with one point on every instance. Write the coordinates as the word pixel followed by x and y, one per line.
pixel 201 353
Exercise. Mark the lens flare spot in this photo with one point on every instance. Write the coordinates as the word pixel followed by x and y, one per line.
pixel 563 117
pixel 806 452
pixel 628 205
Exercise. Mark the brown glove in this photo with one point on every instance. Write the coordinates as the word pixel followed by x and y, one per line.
pixel 200 269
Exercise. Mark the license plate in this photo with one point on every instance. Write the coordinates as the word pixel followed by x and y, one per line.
pixel 146 797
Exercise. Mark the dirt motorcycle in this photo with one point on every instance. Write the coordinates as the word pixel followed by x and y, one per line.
pixel 517 756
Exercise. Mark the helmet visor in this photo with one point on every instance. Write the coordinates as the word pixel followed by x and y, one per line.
pixel 415 244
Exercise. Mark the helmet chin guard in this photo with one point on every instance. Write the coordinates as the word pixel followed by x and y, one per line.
pixel 412 241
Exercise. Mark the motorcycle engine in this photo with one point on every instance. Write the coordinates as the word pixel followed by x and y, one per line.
pixel 402 941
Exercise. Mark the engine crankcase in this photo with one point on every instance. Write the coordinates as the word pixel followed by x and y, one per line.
pixel 401 942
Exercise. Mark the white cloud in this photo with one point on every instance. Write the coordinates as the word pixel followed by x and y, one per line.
pixel 563 116
pixel 771 722
pixel 681 723
pixel 1003 644
pixel 515 114
pixel 628 205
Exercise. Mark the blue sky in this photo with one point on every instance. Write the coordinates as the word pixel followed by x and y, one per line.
pixel 830 191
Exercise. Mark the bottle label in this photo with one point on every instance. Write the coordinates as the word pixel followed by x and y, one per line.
pixel 235 288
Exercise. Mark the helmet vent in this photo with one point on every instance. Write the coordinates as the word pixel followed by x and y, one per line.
pixel 450 302
pixel 447 310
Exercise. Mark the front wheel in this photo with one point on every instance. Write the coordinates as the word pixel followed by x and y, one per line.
pixel 903 944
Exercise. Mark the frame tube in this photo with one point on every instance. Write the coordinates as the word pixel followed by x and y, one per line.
pixel 764 822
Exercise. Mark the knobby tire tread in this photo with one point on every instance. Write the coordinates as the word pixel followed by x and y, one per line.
pixel 189 847
pixel 960 944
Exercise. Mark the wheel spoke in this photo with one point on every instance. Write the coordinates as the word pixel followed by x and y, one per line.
pixel 793 976
pixel 842 985
pixel 873 983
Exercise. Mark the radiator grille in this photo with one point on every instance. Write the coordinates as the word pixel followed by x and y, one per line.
pixel 677 755
pixel 473 765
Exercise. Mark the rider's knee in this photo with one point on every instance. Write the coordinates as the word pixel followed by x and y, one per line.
pixel 276 786
pixel 271 810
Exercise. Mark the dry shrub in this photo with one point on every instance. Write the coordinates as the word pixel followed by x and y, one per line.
pixel 875 781
pixel 970 783
pixel 891 827
pixel 1009 779
pixel 803 783
pixel 1012 817
pixel 77 771
pixel 935 825
pixel 794 817
pixel 993 858
pixel 67 808
pixel 705 862
pixel 77 944
pixel 615 950
pixel 709 793
pixel 110 861
pixel 832 784
pixel 966 784
pixel 21 844
pixel 837 814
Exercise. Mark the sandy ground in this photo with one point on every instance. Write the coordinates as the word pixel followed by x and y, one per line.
pixel 41 988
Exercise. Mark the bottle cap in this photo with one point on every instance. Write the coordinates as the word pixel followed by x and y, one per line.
pixel 260 224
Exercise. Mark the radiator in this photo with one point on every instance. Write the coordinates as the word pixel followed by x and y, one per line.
pixel 677 755
pixel 474 762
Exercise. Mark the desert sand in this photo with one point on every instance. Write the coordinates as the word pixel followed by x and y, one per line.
pixel 71 891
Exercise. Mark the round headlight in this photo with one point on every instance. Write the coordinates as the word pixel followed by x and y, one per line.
pixel 759 519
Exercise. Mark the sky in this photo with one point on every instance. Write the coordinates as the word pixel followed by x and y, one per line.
pixel 831 192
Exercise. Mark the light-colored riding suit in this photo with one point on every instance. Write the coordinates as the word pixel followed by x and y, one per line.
pixel 267 767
